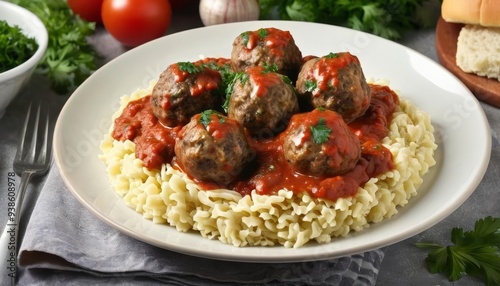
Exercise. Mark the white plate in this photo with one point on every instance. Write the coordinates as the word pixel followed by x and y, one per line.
pixel 462 132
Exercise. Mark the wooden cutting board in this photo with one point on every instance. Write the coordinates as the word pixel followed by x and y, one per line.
pixel 485 89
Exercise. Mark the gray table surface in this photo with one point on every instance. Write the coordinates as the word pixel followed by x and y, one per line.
pixel 404 264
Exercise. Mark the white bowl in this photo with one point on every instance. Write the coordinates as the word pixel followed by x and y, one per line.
pixel 11 81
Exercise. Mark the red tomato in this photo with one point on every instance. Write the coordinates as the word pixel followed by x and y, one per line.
pixel 89 10
pixel 135 22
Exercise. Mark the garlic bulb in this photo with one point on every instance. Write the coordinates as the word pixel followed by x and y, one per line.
pixel 214 12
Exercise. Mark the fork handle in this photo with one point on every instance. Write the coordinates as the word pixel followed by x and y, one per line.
pixel 9 239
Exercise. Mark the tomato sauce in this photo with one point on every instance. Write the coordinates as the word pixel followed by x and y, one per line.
pixel 269 171
pixel 262 80
pixel 154 143
pixel 325 71
pixel 207 80
pixel 273 38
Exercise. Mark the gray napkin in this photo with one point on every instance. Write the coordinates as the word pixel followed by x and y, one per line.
pixel 70 246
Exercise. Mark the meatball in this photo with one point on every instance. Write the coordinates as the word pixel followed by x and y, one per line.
pixel 183 90
pixel 319 143
pixel 262 101
pixel 212 148
pixel 335 82
pixel 271 47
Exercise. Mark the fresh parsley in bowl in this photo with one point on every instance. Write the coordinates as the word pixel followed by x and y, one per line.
pixel 15 47
pixel 23 42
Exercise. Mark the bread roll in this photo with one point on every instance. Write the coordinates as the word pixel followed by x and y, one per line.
pixel 480 12
pixel 478 50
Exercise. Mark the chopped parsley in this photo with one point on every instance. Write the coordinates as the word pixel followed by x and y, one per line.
pixel 332 56
pixel 69 58
pixel 245 36
pixel 475 253
pixel 286 79
pixel 310 85
pixel 231 79
pixel 206 117
pixel 320 132
pixel 262 33
pixel 270 67
pixel 15 46
pixel 273 68
pixel 188 67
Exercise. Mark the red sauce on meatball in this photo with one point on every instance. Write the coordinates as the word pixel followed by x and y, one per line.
pixel 219 127
pixel 320 143
pixel 270 171
pixel 207 80
pixel 326 70
pixel 274 39
pixel 262 80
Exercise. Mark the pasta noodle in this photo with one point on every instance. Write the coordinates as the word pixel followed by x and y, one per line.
pixel 168 196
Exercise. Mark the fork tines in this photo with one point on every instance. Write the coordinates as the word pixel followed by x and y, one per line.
pixel 35 134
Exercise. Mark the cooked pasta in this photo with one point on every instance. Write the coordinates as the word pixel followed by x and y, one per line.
pixel 168 196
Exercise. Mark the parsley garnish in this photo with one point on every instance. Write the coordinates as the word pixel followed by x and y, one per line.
pixel 206 117
pixel 188 67
pixel 286 79
pixel 245 36
pixel 475 253
pixel 262 33
pixel 332 56
pixel 310 85
pixel 320 132
pixel 15 47
pixel 231 79
pixel 270 68
pixel 273 68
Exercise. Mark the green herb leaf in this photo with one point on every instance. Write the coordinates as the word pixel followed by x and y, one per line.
pixel 231 79
pixel 69 58
pixel 332 56
pixel 301 11
pixel 286 79
pixel 270 67
pixel 389 19
pixel 320 132
pixel 475 253
pixel 310 85
pixel 188 67
pixel 206 117
pixel 15 46
pixel 262 33
pixel 245 36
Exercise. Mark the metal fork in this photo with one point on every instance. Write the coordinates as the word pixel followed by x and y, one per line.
pixel 33 158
